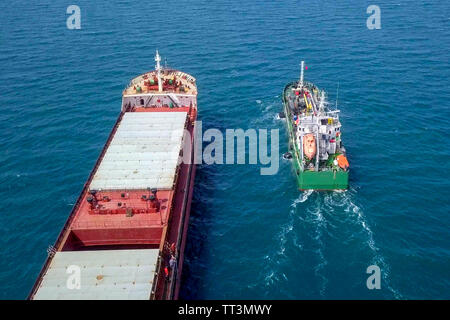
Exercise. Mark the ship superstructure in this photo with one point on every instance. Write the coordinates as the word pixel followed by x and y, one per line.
pixel 126 233
pixel 315 137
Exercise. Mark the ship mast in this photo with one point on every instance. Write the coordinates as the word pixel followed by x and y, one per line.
pixel 158 69
pixel 301 74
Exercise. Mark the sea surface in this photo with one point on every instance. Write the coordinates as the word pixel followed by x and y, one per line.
pixel 250 236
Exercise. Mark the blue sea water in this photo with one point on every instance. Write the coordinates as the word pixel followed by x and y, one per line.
pixel 250 236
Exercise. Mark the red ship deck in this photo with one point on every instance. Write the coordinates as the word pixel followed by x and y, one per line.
pixel 134 207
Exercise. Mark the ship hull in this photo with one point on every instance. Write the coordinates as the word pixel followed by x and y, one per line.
pixel 177 231
pixel 184 234
pixel 308 180
pixel 127 231
pixel 311 180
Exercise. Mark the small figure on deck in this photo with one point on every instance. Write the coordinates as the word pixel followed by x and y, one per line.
pixel 166 273
pixel 173 263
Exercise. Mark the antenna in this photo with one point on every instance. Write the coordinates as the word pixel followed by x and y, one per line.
pixel 337 95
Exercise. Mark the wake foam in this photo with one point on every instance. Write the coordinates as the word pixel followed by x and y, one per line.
pixel 320 225
pixel 279 255
pixel 345 201
pixel 302 198
pixel 315 205
pixel 378 258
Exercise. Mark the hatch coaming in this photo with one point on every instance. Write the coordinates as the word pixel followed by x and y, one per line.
pixel 103 274
pixel 144 152
pixel 134 217
pixel 130 196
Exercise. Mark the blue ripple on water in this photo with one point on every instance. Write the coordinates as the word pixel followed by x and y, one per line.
pixel 250 236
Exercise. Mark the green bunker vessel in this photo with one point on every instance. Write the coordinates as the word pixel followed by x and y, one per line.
pixel 315 138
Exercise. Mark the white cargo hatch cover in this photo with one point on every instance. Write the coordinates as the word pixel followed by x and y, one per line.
pixel 104 275
pixel 143 152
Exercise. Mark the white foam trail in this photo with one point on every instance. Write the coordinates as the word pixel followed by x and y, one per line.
pixel 285 230
pixel 279 256
pixel 289 226
pixel 343 200
pixel 325 202
pixel 268 108
pixel 378 258
pixel 320 225
pixel 270 278
pixel 302 198
pixel 315 219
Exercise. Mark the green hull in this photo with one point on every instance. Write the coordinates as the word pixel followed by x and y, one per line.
pixel 307 180
pixel 325 180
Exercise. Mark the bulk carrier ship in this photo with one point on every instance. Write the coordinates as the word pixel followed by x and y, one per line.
pixel 126 234
pixel 315 138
